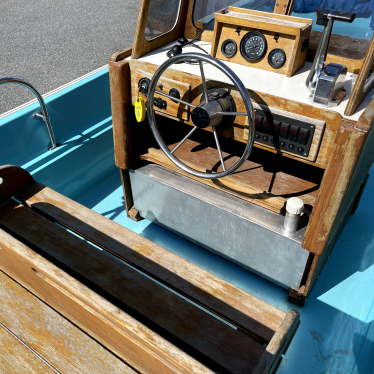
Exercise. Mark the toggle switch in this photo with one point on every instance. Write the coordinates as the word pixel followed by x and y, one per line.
pixel 294 131
pixel 304 136
pixel 284 130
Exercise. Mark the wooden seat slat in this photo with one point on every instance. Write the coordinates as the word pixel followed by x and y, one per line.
pixel 225 345
pixel 116 330
pixel 55 339
pixel 238 306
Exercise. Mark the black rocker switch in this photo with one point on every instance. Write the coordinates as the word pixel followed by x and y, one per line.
pixel 284 130
pixel 276 125
pixel 294 132
pixel 303 136
pixel 265 126
pixel 258 121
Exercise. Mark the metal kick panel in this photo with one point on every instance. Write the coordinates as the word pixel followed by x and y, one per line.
pixel 244 233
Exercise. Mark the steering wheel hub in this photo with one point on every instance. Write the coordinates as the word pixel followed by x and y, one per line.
pixel 216 106
pixel 204 115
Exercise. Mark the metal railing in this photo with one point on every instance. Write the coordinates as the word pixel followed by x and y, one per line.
pixel 44 113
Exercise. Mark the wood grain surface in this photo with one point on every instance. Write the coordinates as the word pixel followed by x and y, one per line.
pixel 173 109
pixel 241 308
pixel 55 339
pixel 132 341
pixel 251 182
pixel 15 358
pixel 236 131
pixel 362 85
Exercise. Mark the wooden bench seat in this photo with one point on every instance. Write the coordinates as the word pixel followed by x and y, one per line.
pixel 156 311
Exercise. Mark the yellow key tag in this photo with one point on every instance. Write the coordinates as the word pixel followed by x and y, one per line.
pixel 139 109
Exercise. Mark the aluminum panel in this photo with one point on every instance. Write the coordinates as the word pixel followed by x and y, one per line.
pixel 238 230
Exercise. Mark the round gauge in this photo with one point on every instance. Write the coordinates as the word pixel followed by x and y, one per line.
pixel 277 58
pixel 253 46
pixel 229 48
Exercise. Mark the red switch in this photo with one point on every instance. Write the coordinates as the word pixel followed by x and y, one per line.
pixel 265 125
pixel 303 136
pixel 284 130
pixel 258 121
pixel 293 133
pixel 276 126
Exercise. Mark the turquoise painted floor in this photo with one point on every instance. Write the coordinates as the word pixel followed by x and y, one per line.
pixel 336 334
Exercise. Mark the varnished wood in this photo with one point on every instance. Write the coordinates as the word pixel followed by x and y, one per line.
pixel 215 339
pixel 120 55
pixel 209 290
pixel 120 93
pixel 173 109
pixel 251 182
pixel 291 34
pixel 60 343
pixel 141 46
pixel 362 86
pixel 13 179
pixel 129 339
pixel 191 31
pixel 236 131
pixel 344 161
pixel 282 339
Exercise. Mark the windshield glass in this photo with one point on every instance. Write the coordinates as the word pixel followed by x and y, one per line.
pixel 204 9
pixel 361 27
pixel 162 17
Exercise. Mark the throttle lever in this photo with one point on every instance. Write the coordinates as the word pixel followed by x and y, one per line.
pixel 327 84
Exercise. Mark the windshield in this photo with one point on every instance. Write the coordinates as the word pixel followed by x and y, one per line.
pixel 162 17
pixel 204 9
pixel 361 27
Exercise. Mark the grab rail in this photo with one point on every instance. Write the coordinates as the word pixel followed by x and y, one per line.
pixel 41 103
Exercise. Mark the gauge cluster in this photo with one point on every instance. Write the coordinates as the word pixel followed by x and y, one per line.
pixel 253 47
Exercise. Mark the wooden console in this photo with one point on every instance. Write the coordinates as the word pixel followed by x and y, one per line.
pixel 290 34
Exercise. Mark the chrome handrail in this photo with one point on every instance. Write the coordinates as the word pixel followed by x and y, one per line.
pixel 45 116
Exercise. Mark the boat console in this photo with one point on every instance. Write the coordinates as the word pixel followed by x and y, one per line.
pixel 240 139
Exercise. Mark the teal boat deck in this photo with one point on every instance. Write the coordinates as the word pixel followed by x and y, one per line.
pixel 336 334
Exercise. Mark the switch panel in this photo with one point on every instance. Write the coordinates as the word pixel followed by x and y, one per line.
pixel 286 134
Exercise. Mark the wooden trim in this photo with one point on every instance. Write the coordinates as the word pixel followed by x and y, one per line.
pixel 359 91
pixel 241 308
pixel 351 159
pixel 278 344
pixel 120 93
pixel 236 131
pixel 141 46
pixel 130 340
pixel 37 326
pixel 13 179
pixel 120 55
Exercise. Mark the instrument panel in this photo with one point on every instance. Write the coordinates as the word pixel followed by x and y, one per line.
pixel 276 43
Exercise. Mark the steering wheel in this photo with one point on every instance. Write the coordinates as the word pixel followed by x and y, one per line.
pixel 207 114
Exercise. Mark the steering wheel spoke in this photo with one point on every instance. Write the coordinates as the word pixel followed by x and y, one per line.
pixel 175 99
pixel 204 82
pixel 209 113
pixel 184 139
pixel 232 114
pixel 218 147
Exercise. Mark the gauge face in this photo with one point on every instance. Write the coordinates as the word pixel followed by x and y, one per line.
pixel 277 58
pixel 253 46
pixel 229 48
